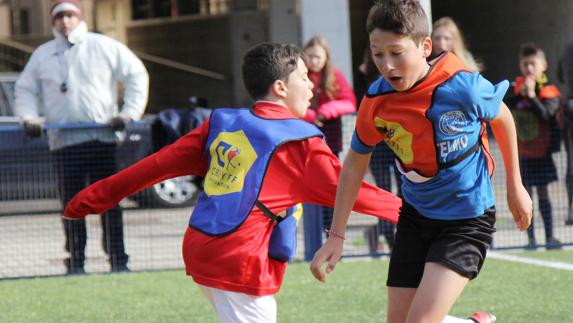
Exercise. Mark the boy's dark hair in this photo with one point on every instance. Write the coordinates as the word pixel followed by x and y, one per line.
pixel 530 49
pixel 401 17
pixel 267 62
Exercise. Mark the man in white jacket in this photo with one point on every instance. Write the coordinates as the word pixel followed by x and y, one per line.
pixel 73 79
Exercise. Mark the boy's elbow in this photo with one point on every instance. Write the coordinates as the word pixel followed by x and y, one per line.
pixel 504 113
pixel 503 118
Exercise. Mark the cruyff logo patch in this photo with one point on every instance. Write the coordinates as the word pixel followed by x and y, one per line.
pixel 452 122
pixel 232 155
pixel 222 155
pixel 221 149
pixel 233 152
pixel 390 134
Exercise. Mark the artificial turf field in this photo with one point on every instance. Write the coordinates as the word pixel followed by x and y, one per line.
pixel 354 292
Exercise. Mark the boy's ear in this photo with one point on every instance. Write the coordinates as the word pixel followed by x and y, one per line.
pixel 427 46
pixel 279 89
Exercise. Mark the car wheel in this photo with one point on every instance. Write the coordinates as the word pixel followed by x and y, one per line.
pixel 175 192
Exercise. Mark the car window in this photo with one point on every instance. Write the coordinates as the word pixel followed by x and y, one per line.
pixel 7 83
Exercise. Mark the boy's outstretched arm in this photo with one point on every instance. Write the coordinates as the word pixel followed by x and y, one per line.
pixel 518 199
pixel 353 170
pixel 184 157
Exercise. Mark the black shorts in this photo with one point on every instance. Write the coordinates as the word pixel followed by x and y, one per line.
pixel 459 245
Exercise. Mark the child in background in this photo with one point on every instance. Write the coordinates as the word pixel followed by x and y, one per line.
pixel 333 98
pixel 534 103
pixel 565 75
pixel 433 115
pixel 333 95
pixel 258 164
pixel 446 36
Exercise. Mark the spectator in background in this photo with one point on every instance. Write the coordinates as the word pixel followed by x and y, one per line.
pixel 381 163
pixel 333 98
pixel 534 103
pixel 446 36
pixel 75 78
pixel 565 73
pixel 367 74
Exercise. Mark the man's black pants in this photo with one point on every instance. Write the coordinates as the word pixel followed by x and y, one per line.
pixel 76 167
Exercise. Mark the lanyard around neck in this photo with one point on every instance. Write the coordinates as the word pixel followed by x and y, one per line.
pixel 63 69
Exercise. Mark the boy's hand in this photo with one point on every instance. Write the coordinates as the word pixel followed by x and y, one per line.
pixel 33 128
pixel 331 251
pixel 528 87
pixel 118 123
pixel 520 205
pixel 319 121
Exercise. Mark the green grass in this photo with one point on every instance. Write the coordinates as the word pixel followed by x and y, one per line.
pixel 355 292
pixel 553 255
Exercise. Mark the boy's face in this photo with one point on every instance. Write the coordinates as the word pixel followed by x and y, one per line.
pixel 532 66
pixel 298 92
pixel 399 59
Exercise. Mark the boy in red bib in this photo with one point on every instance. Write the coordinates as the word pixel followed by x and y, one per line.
pixel 258 163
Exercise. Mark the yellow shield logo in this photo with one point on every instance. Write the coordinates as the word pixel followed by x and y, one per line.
pixel 397 138
pixel 232 156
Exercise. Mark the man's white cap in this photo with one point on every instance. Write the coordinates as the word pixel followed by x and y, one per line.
pixel 66 5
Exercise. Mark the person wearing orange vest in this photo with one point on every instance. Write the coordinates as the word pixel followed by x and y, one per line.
pixel 433 115
pixel 534 103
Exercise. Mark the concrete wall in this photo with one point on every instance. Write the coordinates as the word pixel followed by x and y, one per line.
pixel 284 24
pixel 211 43
pixel 247 28
pixel 495 30
pixel 5 23
pixel 111 17
pixel 330 19
pixel 39 22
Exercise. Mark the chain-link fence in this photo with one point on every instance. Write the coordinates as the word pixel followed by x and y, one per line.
pixel 33 239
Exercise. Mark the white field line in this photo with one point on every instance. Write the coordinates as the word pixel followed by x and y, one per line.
pixel 531 261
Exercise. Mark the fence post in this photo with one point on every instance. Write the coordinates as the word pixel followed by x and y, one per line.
pixel 312 221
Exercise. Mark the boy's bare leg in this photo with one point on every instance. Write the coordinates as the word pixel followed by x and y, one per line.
pixel 437 293
pixel 399 301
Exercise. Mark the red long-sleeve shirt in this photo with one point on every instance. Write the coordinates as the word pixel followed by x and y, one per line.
pixel 300 171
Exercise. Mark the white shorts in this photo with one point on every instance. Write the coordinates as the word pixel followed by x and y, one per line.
pixel 234 307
